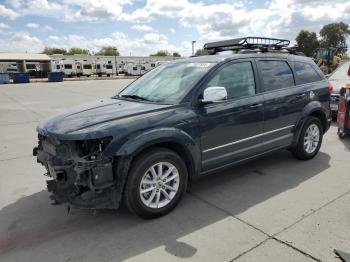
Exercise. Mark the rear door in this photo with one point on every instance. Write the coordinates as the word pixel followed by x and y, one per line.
pixel 282 101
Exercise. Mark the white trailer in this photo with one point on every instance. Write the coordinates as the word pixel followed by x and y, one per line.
pixel 85 68
pixel 69 68
pixel 133 69
pixel 103 68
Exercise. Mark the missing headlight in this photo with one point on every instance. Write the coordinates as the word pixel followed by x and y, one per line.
pixel 92 147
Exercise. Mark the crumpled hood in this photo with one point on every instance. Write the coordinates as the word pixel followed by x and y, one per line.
pixel 97 113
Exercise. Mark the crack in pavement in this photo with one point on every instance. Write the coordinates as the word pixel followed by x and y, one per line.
pixel 19 123
pixel 312 212
pixel 24 107
pixel 14 158
pixel 258 229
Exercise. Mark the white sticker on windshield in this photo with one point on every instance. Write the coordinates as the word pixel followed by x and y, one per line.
pixel 204 65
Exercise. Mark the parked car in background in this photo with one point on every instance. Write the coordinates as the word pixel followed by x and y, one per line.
pixel 179 122
pixel 339 79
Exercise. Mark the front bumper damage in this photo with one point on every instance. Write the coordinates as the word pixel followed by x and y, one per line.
pixel 80 174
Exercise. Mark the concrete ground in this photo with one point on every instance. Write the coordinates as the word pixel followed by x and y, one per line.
pixel 272 209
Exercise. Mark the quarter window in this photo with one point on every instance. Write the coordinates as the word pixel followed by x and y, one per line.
pixel 276 75
pixel 305 73
pixel 238 79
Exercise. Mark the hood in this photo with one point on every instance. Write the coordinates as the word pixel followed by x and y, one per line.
pixel 95 114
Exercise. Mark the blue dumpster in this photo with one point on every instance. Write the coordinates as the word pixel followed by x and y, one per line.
pixel 20 78
pixel 55 76
pixel 4 78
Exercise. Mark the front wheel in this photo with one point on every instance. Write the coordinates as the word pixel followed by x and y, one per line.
pixel 310 139
pixel 156 183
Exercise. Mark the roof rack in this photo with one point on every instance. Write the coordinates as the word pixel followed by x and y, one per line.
pixel 255 44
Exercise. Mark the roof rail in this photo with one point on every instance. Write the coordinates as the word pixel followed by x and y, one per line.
pixel 258 44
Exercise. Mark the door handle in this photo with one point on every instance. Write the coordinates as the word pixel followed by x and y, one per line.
pixel 300 96
pixel 256 105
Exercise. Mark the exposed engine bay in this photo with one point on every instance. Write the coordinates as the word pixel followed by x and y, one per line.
pixel 81 175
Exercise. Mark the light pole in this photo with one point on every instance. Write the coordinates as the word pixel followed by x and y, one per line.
pixel 115 61
pixel 193 42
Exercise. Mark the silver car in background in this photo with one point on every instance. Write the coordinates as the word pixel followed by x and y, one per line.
pixel 339 79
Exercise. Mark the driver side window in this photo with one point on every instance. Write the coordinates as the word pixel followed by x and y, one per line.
pixel 237 78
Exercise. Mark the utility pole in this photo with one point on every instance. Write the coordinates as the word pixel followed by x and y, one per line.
pixel 193 42
pixel 115 61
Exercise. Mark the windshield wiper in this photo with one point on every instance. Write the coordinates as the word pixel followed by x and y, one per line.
pixel 137 97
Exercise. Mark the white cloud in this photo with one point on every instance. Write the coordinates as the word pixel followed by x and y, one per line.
pixel 47 28
pixel 32 25
pixel 21 42
pixel 142 28
pixel 6 12
pixel 210 20
pixel 144 46
pixel 3 26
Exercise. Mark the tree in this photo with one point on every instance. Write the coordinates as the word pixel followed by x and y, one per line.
pixel 77 51
pixel 54 50
pixel 334 35
pixel 307 42
pixel 201 52
pixel 108 51
pixel 161 53
pixel 176 54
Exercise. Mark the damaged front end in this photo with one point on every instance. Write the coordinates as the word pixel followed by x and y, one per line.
pixel 82 175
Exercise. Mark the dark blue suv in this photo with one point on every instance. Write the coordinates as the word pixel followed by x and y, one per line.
pixel 179 122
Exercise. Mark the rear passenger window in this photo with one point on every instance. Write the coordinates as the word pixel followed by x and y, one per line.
pixel 305 73
pixel 276 75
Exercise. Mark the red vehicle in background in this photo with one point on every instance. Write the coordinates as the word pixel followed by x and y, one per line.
pixel 343 118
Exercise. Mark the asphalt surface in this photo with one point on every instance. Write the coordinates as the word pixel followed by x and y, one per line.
pixel 273 209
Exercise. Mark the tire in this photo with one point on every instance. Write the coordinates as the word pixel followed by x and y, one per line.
pixel 141 177
pixel 301 150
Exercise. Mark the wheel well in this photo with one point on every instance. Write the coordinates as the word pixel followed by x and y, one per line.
pixel 180 150
pixel 322 117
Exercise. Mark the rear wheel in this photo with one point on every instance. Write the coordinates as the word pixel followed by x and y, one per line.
pixel 310 139
pixel 156 183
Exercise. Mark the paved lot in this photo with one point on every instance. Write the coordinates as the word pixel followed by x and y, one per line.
pixel 273 209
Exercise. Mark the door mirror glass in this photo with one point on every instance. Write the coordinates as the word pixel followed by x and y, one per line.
pixel 214 94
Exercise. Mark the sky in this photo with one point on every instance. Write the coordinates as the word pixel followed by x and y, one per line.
pixel 142 27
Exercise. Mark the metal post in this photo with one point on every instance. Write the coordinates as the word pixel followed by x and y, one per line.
pixel 193 42
pixel 115 61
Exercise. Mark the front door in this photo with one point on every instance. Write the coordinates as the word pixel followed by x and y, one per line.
pixel 231 130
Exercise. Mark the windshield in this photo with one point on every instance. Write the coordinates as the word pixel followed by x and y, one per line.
pixel 168 83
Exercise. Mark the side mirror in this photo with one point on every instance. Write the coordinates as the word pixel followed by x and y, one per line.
pixel 214 94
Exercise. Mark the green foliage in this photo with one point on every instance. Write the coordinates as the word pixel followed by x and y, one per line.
pixel 108 51
pixel 307 42
pixel 201 52
pixel 161 53
pixel 77 51
pixel 54 50
pixel 176 54
pixel 334 35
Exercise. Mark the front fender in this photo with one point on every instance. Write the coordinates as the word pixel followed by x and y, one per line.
pixel 140 141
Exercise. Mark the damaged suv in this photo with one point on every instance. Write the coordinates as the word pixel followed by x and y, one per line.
pixel 181 121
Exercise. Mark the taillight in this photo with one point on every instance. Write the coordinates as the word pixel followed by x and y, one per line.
pixel 330 88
